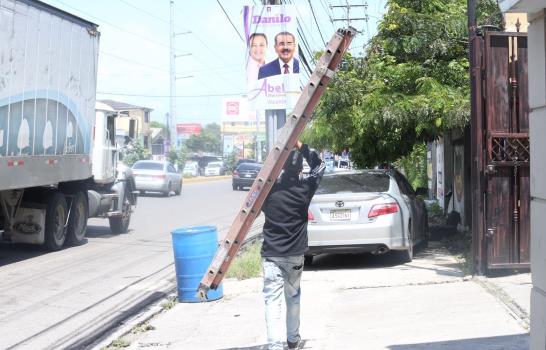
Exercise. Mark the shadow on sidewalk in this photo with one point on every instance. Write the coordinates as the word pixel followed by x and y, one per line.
pixel 506 342
pixel 264 347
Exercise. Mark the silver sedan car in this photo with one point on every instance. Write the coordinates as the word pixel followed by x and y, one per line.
pixel 372 211
pixel 157 176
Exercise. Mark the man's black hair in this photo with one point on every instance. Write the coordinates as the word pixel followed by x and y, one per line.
pixel 294 163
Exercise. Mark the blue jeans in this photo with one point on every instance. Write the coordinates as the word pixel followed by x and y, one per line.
pixel 282 274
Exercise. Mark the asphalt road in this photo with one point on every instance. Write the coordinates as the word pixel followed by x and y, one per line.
pixel 75 297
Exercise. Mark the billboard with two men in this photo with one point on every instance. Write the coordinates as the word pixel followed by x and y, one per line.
pixel 273 65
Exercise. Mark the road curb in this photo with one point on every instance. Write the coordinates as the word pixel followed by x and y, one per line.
pixel 155 309
pixel 201 179
pixel 508 302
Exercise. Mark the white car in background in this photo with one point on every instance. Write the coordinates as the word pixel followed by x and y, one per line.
pixel 157 176
pixel 214 169
pixel 191 169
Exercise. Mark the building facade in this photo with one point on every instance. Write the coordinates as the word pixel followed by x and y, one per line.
pixel 133 122
pixel 536 16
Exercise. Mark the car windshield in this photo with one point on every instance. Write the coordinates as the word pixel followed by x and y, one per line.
pixel 249 166
pixel 354 183
pixel 148 166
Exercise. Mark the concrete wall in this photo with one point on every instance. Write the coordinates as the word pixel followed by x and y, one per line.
pixel 536 10
pixel 537 120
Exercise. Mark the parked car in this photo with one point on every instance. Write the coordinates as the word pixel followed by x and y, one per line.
pixel 244 160
pixel 157 176
pixel 191 169
pixel 214 169
pixel 244 175
pixel 366 211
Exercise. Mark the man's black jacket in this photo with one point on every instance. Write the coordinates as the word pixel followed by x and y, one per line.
pixel 285 209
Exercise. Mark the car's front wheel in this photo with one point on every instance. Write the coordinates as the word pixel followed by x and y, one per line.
pixel 120 223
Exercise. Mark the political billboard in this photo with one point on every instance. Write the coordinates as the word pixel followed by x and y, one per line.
pixel 272 62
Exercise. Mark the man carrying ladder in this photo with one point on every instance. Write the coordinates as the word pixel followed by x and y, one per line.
pixel 285 243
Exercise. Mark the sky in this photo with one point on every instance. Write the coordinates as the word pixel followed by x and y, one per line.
pixel 134 48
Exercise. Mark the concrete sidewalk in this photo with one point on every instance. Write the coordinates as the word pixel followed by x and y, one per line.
pixel 361 302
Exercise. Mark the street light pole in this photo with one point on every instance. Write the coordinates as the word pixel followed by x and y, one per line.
pixel 173 77
pixel 172 109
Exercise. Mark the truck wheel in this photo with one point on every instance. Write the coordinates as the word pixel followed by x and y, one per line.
pixel 120 224
pixel 55 229
pixel 77 222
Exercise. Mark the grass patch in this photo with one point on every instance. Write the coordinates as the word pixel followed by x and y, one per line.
pixel 141 328
pixel 169 303
pixel 248 264
pixel 118 344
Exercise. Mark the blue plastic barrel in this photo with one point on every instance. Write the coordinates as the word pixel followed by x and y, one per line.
pixel 194 247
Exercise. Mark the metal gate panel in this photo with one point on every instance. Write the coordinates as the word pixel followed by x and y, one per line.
pixel 507 152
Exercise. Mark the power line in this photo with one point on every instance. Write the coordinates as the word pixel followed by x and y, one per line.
pixel 200 40
pixel 229 19
pixel 325 8
pixel 144 11
pixel 140 36
pixel 102 52
pixel 315 17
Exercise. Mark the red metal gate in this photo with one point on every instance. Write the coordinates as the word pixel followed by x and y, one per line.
pixel 506 157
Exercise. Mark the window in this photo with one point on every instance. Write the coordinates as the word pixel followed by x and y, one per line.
pixel 146 141
pixel 146 116
pixel 132 127
pixel 148 165
pixel 354 183
pixel 110 126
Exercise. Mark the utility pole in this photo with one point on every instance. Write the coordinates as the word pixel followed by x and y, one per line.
pixel 274 118
pixel 172 109
pixel 173 78
pixel 349 19
pixel 348 13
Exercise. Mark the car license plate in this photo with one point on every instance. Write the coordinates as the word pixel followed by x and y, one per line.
pixel 340 215
pixel 248 175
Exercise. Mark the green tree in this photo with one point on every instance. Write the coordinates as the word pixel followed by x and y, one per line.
pixel 133 153
pixel 230 161
pixel 411 86
pixel 414 166
pixel 178 157
pixel 156 124
pixel 209 140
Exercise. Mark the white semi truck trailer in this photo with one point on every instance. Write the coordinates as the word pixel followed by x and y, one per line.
pixel 58 152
